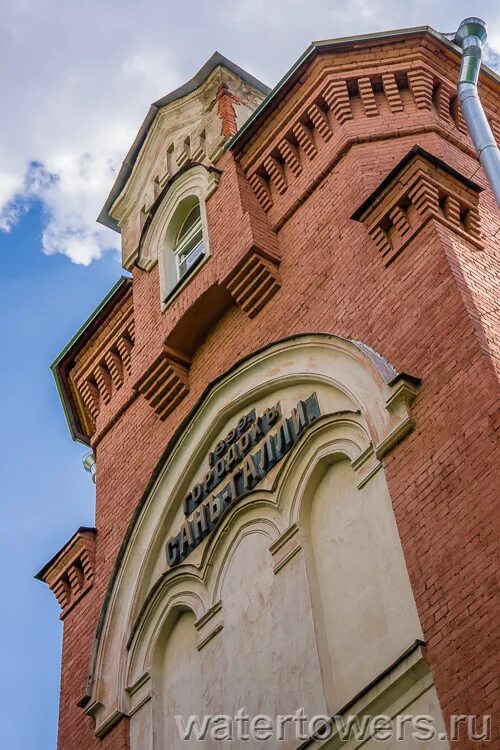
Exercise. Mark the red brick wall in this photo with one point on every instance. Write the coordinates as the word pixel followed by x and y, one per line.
pixel 75 727
pixel 432 314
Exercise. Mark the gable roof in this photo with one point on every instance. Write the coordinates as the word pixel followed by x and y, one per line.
pixel 187 88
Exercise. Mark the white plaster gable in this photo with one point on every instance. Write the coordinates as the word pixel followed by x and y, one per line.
pixel 184 131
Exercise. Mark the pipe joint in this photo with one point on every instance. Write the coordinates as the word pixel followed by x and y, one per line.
pixel 473 50
pixel 474 28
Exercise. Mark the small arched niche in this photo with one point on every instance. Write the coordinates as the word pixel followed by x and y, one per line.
pixel 179 678
pixel 362 602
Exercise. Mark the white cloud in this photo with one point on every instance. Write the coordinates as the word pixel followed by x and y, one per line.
pixel 77 80
pixel 77 95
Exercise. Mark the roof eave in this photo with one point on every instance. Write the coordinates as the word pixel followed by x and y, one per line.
pixel 57 367
pixel 240 139
pixel 40 576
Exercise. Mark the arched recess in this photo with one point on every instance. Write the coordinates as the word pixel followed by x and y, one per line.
pixel 365 412
pixel 188 189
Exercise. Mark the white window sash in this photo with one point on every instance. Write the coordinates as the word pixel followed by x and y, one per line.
pixel 188 244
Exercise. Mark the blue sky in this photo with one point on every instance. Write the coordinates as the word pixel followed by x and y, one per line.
pixel 45 493
pixel 78 79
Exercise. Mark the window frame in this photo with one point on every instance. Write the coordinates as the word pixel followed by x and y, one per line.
pixel 196 183
pixel 188 242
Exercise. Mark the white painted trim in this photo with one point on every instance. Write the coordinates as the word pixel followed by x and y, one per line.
pixel 307 362
pixel 408 680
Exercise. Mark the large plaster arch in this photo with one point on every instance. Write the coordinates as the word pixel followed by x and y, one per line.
pixel 366 413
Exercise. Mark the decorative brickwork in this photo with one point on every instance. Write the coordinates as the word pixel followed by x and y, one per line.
pixel 336 95
pixel 367 97
pixel 254 281
pixel 305 140
pixel 102 371
pixel 225 102
pixel 420 188
pixel 93 372
pixel 70 573
pixel 261 189
pixel 331 122
pixel 251 284
pixel 291 156
pixel 421 85
pixel 320 120
pixel 165 382
pixel 391 92
pixel 276 172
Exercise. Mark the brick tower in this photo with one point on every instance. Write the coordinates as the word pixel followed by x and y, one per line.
pixel 292 399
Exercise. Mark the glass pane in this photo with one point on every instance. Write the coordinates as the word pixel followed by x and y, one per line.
pixel 187 259
pixel 191 219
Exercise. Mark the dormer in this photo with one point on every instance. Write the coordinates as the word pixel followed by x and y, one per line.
pixel 186 129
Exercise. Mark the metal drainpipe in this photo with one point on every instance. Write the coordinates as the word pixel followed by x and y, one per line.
pixel 470 36
pixel 89 464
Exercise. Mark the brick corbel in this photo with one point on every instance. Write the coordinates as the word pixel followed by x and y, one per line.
pixel 70 573
pixel 254 280
pixel 165 382
pixel 420 188
pixel 250 284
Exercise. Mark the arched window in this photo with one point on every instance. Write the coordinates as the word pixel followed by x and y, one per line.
pixel 178 237
pixel 184 246
pixel 189 247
